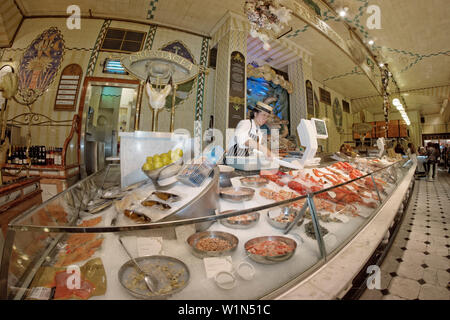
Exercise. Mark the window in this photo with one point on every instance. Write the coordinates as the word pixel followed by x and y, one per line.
pixel 121 40
pixel 114 66
pixel 325 96
pixel 346 106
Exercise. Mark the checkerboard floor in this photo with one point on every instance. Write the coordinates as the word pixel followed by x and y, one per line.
pixel 417 267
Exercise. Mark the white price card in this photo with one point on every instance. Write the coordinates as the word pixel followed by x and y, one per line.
pixel 332 194
pixel 213 265
pixel 184 232
pixel 149 246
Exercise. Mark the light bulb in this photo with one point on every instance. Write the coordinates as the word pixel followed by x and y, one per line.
pixel 342 13
pixel 396 102
pixel 371 42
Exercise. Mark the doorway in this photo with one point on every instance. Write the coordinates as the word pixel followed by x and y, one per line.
pixel 110 107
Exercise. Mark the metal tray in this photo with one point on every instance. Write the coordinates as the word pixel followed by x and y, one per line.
pixel 193 240
pixel 271 259
pixel 128 272
pixel 247 182
pixel 286 211
pixel 252 221
pixel 237 198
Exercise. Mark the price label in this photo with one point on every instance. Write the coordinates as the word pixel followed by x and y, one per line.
pixel 149 246
pixel 332 194
pixel 214 265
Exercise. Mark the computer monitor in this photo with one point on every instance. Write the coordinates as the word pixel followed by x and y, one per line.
pixel 320 127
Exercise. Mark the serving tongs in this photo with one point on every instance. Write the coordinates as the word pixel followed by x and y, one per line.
pixel 149 279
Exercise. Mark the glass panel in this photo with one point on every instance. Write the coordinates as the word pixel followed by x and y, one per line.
pixel 115 33
pixel 131 46
pixel 112 44
pixel 134 36
pixel 386 181
pixel 342 211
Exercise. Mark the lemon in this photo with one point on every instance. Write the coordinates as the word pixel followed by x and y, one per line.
pixel 165 159
pixel 149 159
pixel 156 158
pixel 179 152
pixel 147 166
pixel 175 157
pixel 158 164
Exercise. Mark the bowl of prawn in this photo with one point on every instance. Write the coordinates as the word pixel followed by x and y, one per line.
pixel 270 249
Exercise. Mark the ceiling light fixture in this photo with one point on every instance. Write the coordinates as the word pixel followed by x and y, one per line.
pixel 371 42
pixel 381 65
pixel 396 102
pixel 342 13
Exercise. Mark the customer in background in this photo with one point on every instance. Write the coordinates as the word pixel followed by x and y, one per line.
pixel 411 153
pixel 433 155
pixel 399 149
pixel 422 151
pixel 448 157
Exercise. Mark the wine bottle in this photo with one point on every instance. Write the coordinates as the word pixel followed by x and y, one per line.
pixel 10 155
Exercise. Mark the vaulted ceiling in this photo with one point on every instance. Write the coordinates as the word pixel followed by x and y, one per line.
pixel 414 39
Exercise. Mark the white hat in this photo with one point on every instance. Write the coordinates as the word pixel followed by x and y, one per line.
pixel 261 106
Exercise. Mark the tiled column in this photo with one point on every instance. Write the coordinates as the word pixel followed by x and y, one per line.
pixel 198 130
pixel 297 99
pixel 231 36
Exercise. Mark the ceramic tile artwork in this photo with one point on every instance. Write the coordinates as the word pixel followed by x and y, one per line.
pixel 418 265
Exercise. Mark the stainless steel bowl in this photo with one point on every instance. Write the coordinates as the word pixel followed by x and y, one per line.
pixel 165 172
pixel 231 194
pixel 196 237
pixel 251 182
pixel 250 221
pixel 270 259
pixel 285 212
pixel 165 287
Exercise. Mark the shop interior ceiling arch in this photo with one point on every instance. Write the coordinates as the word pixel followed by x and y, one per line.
pixel 40 63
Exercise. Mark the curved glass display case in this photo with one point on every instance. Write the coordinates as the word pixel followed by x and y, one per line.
pixel 254 240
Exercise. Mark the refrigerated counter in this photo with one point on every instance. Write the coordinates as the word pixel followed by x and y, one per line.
pixel 282 242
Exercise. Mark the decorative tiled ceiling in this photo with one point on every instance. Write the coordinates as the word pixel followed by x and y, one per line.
pixel 414 38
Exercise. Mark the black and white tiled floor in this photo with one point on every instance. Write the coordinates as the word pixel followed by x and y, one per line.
pixel 418 264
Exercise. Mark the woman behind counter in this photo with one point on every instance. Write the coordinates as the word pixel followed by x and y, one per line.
pixel 248 134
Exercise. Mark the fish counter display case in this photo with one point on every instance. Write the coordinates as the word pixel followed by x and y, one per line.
pixel 256 239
